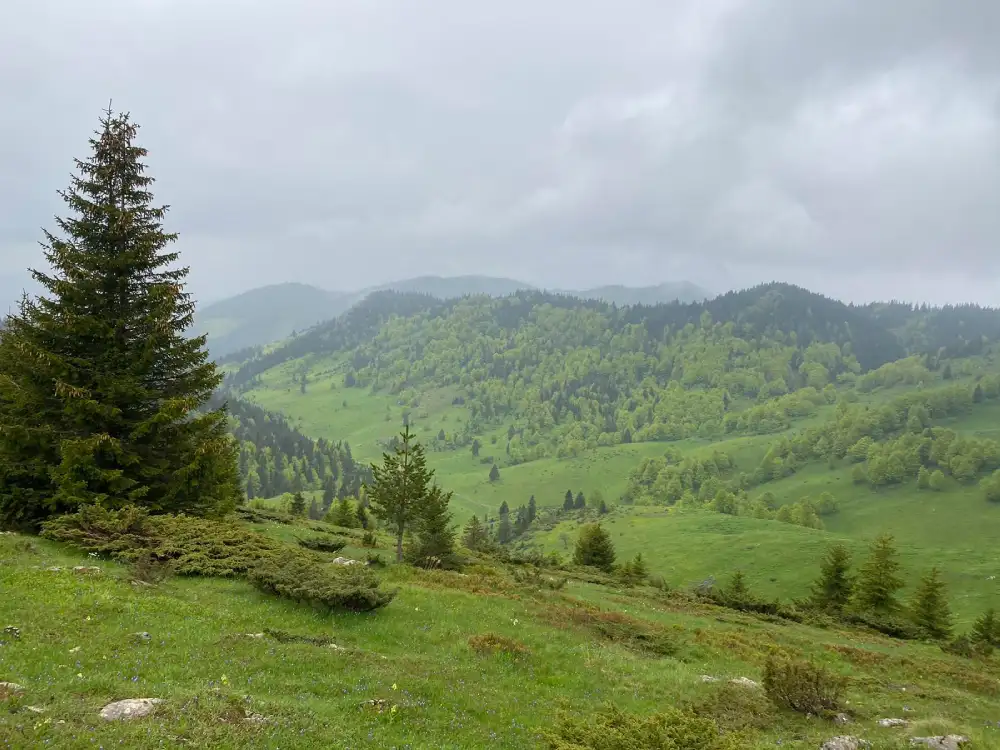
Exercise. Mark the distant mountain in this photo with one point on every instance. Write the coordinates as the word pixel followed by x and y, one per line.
pixel 680 291
pixel 266 314
pixel 451 287
pixel 271 313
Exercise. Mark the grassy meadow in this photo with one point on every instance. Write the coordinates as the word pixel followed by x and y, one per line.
pixel 76 652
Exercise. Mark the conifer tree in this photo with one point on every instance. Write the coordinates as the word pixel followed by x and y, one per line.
pixel 343 514
pixel 314 512
pixel 504 509
pixel 434 540
pixel 986 629
pixel 504 530
pixel 329 492
pixel 930 606
pixel 603 510
pixel 568 501
pixel 834 587
pixel 298 505
pixel 532 510
pixel 594 548
pixel 102 393
pixel 637 569
pixel 494 473
pixel 363 521
pixel 580 501
pixel 737 592
pixel 400 486
pixel 878 580
pixel 474 535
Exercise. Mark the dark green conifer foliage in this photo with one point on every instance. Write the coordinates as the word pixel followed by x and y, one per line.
pixel 400 487
pixel 878 580
pixel 930 606
pixel 102 394
pixel 475 535
pixel 434 541
pixel 595 548
pixel 834 588
pixel 986 629
pixel 298 505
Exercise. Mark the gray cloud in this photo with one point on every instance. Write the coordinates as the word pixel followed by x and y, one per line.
pixel 850 146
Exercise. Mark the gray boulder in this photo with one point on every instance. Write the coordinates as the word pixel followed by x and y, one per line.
pixel 132 708
pixel 943 742
pixel 845 742
pixel 893 723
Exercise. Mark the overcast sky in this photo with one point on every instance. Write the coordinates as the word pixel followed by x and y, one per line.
pixel 852 146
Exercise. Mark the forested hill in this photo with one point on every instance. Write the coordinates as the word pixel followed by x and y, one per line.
pixel 276 458
pixel 873 334
pixel 566 375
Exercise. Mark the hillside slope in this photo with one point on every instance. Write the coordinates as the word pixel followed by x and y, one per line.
pixel 420 673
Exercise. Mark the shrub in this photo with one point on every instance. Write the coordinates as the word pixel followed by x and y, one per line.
pixel 495 644
pixel 374 560
pixel 147 569
pixel 659 582
pixel 303 579
pixel 261 514
pixel 613 729
pixel 733 707
pixel 195 546
pixel 639 635
pixel 967 646
pixel 369 539
pixel 319 544
pixel 594 548
pixel 803 687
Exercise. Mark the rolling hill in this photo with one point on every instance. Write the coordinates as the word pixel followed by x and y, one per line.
pixel 562 393
pixel 268 314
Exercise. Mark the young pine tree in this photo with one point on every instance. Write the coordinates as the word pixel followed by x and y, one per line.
pixel 580 502
pixel 738 591
pixel 594 548
pixel 878 580
pixel 434 541
pixel 297 507
pixel 474 535
pixel 833 589
pixel 494 474
pixel 102 392
pixel 568 500
pixel 343 514
pixel 930 610
pixel 532 509
pixel 986 629
pixel 400 486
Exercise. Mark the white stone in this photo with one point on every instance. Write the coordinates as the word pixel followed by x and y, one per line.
pixel 941 742
pixel 744 682
pixel 893 723
pixel 132 708
pixel 845 742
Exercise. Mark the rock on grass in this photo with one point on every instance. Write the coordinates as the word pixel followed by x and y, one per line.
pixel 132 708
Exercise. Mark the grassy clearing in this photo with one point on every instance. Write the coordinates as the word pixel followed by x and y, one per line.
pixel 75 654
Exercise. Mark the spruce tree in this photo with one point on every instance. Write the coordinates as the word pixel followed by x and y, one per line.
pixel 532 509
pixel 878 580
pixel 603 510
pixel 568 501
pixel 343 514
pixel 580 501
pixel 298 505
pixel 834 587
pixel 474 535
pixel 594 548
pixel 930 606
pixel 102 393
pixel 400 486
pixel 494 473
pixel 315 514
pixel 986 629
pixel 637 570
pixel 737 592
pixel 504 530
pixel 434 541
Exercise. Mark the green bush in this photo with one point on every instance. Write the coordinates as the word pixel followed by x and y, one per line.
pixel 305 580
pixel 193 546
pixel 803 687
pixel 735 708
pixel 614 730
pixel 320 544
pixel 594 548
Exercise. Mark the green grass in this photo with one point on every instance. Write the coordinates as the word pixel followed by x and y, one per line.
pixel 75 655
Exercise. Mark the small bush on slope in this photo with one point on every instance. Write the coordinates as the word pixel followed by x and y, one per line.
pixel 319 544
pixel 195 546
pixel 802 687
pixel 615 730
pixel 200 547
pixel 300 578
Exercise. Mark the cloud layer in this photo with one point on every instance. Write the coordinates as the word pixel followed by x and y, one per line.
pixel 850 146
